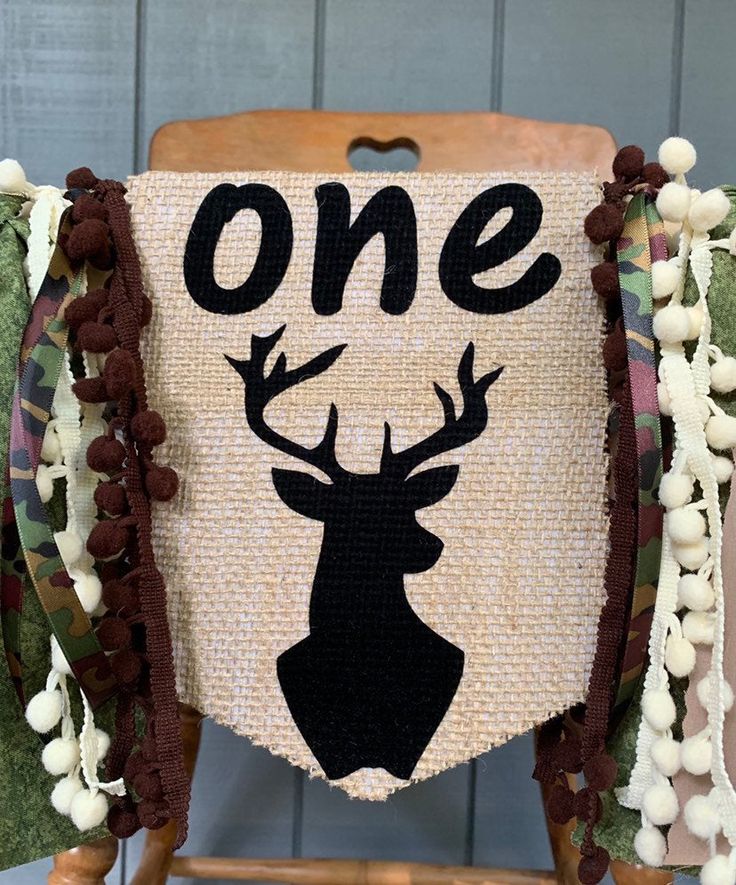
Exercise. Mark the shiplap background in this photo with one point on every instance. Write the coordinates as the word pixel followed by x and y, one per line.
pixel 88 82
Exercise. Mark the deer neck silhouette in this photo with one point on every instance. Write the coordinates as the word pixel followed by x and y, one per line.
pixel 371 683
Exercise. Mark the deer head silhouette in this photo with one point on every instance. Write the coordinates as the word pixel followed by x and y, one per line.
pixel 371 683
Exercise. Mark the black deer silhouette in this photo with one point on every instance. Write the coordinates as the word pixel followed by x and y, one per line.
pixel 371 683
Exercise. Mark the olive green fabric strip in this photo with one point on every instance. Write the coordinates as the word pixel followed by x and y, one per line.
pixel 29 827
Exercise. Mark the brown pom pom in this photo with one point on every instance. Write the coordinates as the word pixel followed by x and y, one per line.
pixel 560 804
pixel 654 175
pixel 107 539
pixel 119 373
pixel 120 597
pixel 91 390
pixel 86 206
pixel 97 338
pixel 162 483
pixel 567 755
pixel 86 308
pixel 105 455
pixel 587 805
pixel 148 427
pixel 605 222
pixel 146 311
pixel 604 277
pixel 134 765
pixel 83 178
pixel 148 785
pixel 592 868
pixel 600 772
pixel 113 633
pixel 126 665
pixel 615 356
pixel 152 815
pixel 110 497
pixel 89 240
pixel 122 823
pixel 628 162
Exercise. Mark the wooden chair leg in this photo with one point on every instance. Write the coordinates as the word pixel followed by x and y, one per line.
pixel 632 874
pixel 86 865
pixel 158 851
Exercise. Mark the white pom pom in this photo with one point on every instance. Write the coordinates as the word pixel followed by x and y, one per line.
pixel 665 752
pixel 60 755
pixel 719 870
pixel 709 209
pixel 660 804
pixel 89 591
pixel 695 315
pixel 720 432
pixel 679 656
pixel 44 711
pixel 691 556
pixel 103 743
pixel 675 489
pixel 88 810
pixel 723 375
pixel 44 483
pixel 701 817
pixel 695 593
pixel 673 201
pixel 58 661
pixel 658 708
pixel 685 525
pixel 699 627
pixel 702 689
pixel 665 277
pixel 677 155
pixel 723 468
pixel 12 178
pixel 51 448
pixel 671 324
pixel 650 846
pixel 70 546
pixel 663 399
pixel 696 754
pixel 64 792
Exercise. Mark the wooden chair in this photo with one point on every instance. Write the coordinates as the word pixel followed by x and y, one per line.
pixel 320 141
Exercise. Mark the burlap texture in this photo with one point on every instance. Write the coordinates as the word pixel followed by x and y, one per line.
pixel 520 582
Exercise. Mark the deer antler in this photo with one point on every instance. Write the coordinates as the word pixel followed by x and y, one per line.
pixel 260 390
pixel 455 431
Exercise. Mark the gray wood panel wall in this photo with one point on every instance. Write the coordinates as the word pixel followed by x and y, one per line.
pixel 88 82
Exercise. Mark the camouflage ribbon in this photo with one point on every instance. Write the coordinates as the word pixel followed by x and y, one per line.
pixel 643 241
pixel 42 353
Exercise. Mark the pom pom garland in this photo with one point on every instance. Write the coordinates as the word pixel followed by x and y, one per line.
pixel 107 540
pixel 723 468
pixel 91 390
pixel 723 375
pixel 82 178
pixel 655 175
pixel 51 448
pixel 665 277
pixel 660 804
pixel 604 223
pixel 600 772
pixel 103 743
pixel 113 633
pixel 105 455
pixel 695 592
pixel 60 756
pixel 604 278
pixel 88 810
pixel 702 690
pixel 671 324
pixel 663 399
pixel 149 428
pixel 89 240
pixel 126 665
pixel 592 867
pixel 701 817
pixel 44 483
pixel 162 482
pixel 709 210
pixel 96 337
pixel 43 711
pixel 665 753
pixel 719 870
pixel 560 804
pixel 13 178
pixel 677 155
pixel 685 525
pixel 658 708
pixel 119 373
pixel 86 206
pixel 628 162
pixel 122 822
pixel 679 656
pixel 673 202
pixel 111 498
pixel 691 556
pixel 675 489
pixel 650 846
pixel 86 309
pixel 696 754
pixel 70 546
pixel 615 355
pixel 89 591
pixel 695 317
pixel 64 792
pixel 58 662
